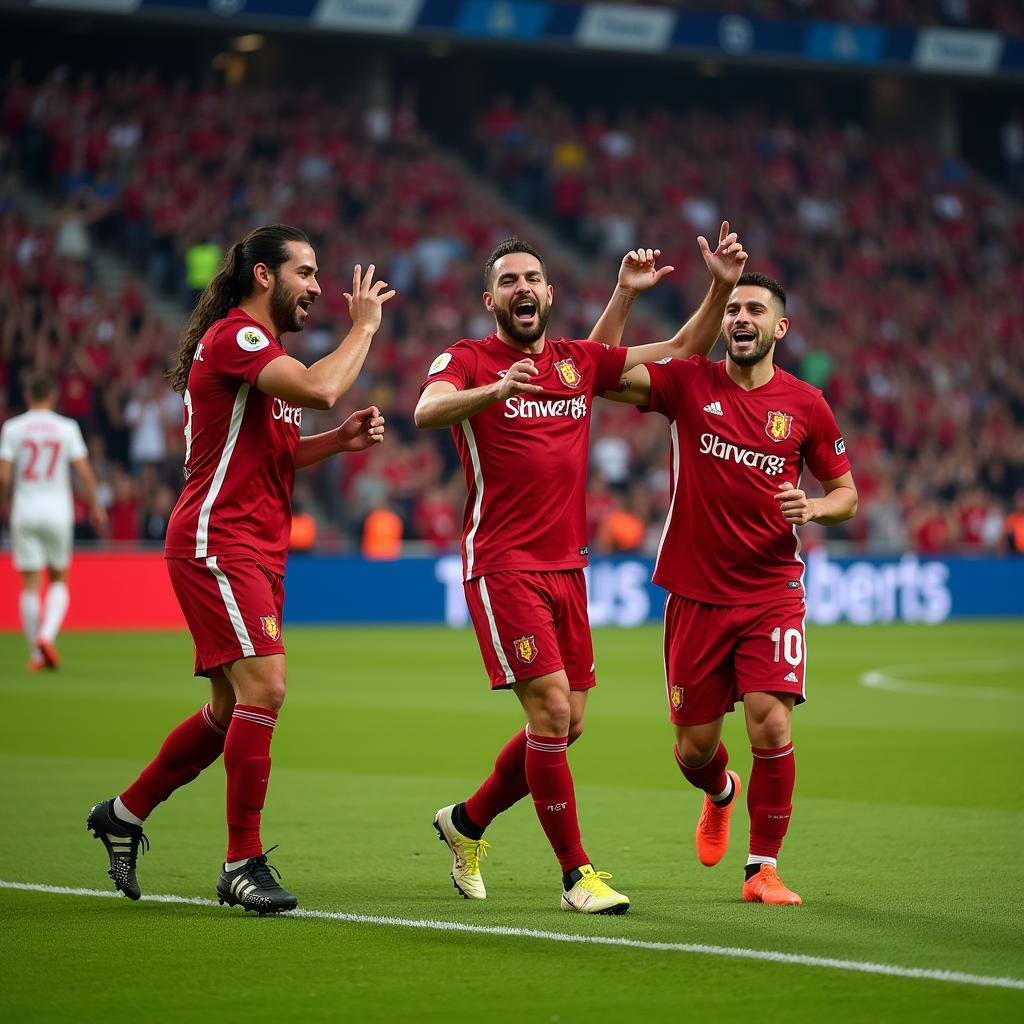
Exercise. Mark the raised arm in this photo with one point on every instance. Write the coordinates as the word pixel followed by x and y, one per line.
pixel 699 334
pixel 322 384
pixel 442 404
pixel 637 273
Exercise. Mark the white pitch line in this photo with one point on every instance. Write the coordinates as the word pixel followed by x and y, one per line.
pixel 734 952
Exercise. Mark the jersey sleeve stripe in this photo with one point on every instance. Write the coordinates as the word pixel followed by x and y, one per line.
pixel 478 486
pixel 674 430
pixel 235 425
pixel 510 676
pixel 234 612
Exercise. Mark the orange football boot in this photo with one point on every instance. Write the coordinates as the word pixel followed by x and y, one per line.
pixel 713 826
pixel 36 663
pixel 767 887
pixel 48 652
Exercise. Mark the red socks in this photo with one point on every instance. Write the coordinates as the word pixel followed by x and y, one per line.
pixel 710 776
pixel 550 781
pixel 191 747
pixel 247 764
pixel 505 786
pixel 770 798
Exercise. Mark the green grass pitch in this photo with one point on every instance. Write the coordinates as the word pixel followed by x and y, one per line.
pixel 906 842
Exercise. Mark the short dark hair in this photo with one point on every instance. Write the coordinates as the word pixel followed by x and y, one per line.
pixel 764 281
pixel 39 386
pixel 505 248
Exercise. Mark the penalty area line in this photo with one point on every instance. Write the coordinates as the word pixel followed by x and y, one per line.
pixel 733 952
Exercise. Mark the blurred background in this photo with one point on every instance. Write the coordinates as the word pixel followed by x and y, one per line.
pixel 870 153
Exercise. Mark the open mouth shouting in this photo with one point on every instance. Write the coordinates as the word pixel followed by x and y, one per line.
pixel 524 310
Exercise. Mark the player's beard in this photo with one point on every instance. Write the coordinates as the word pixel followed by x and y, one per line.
pixel 515 330
pixel 284 309
pixel 765 342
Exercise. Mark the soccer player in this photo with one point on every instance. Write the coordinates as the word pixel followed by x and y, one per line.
pixel 519 404
pixel 227 538
pixel 36 449
pixel 742 432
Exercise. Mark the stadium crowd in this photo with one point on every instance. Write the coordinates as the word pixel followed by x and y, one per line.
pixel 904 271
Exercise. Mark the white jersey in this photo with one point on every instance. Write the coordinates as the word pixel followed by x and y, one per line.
pixel 42 446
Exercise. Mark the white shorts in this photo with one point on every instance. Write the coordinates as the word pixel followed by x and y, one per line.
pixel 41 544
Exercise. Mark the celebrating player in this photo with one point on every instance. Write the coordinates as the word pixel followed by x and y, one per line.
pixel 228 535
pixel 519 407
pixel 742 430
pixel 36 449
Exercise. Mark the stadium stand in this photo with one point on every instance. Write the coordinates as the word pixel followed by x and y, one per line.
pixel 904 268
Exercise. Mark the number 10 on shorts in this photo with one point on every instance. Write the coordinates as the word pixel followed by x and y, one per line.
pixel 790 645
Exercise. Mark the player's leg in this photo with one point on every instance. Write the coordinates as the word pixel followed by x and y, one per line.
pixel 31 583
pixel 769 795
pixel 546 701
pixel 29 558
pixel 247 880
pixel 189 748
pixel 55 605
pixel 770 676
pixel 698 649
pixel 511 615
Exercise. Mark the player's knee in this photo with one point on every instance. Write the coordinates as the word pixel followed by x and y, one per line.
pixel 275 694
pixel 772 730
pixel 575 731
pixel 556 714
pixel 695 752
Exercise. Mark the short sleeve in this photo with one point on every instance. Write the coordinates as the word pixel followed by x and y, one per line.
pixel 825 452
pixel 7 443
pixel 608 363
pixel 453 366
pixel 242 350
pixel 668 379
pixel 76 442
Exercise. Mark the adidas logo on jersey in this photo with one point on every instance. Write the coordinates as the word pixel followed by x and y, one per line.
pixel 791 678
pixel 715 408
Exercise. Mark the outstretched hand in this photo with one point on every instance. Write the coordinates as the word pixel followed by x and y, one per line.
pixel 367 298
pixel 726 263
pixel 363 429
pixel 638 271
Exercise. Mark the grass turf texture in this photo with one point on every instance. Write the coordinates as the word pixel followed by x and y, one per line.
pixel 906 835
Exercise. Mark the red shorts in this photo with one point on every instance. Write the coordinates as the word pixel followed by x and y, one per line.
pixel 714 654
pixel 233 608
pixel 529 624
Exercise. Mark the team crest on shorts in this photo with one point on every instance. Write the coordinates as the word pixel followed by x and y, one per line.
pixel 567 371
pixel 779 425
pixel 525 648
pixel 675 696
pixel 271 630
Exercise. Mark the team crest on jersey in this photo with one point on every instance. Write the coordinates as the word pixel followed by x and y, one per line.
pixel 779 426
pixel 271 630
pixel 567 371
pixel 525 648
pixel 251 339
pixel 675 695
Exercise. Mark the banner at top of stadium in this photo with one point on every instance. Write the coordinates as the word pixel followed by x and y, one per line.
pixel 607 26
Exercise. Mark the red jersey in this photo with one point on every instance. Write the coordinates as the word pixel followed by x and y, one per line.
pixel 725 539
pixel 525 459
pixel 239 451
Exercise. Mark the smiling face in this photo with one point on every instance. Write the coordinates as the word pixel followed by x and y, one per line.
pixel 520 298
pixel 295 289
pixel 754 321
